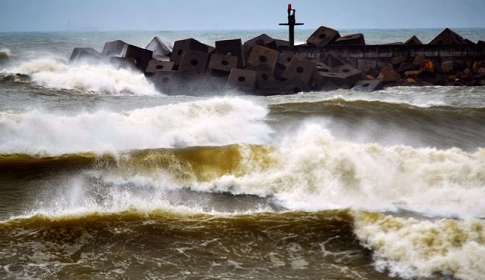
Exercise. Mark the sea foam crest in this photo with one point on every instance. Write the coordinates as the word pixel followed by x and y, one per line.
pixel 218 121
pixel 98 78
pixel 412 248
pixel 313 171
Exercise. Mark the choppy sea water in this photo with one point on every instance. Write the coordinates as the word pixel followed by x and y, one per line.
pixel 103 177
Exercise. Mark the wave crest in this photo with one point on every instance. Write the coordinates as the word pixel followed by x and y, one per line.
pixel 92 79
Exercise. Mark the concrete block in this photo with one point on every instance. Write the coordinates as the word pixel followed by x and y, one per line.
pixel 263 55
pixel 323 36
pixel 172 82
pixel 194 60
pixel 264 76
pixel 113 48
pixel 161 49
pixel 284 58
pixel 128 63
pixel 119 48
pixel 157 65
pixel 301 67
pixel 294 85
pixel 242 79
pixel 413 41
pixel 343 76
pixel 448 37
pixel 181 46
pixel 352 39
pixel 322 78
pixel 204 85
pixel 333 59
pixel 281 43
pixel 232 48
pixel 291 86
pixel 141 56
pixel 84 55
pixel 220 65
pixel 278 71
pixel 167 81
pixel 261 40
pixel 328 86
pixel 368 85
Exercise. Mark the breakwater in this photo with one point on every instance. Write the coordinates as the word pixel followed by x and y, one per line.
pixel 268 66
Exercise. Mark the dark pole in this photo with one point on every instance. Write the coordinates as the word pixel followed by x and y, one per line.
pixel 291 25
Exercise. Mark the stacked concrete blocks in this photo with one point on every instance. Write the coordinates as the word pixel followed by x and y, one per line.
pixel 220 65
pixel 368 86
pixel 353 39
pixel 232 47
pixel 180 47
pixel 85 55
pixel 301 67
pixel 264 75
pixel 267 66
pixel 292 86
pixel 121 49
pixel 194 60
pixel 260 40
pixel 242 79
pixel 323 36
pixel 169 82
pixel 263 55
pixel 157 65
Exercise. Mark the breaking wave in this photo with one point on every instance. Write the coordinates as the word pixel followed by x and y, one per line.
pixel 219 121
pixel 88 79
pixel 309 172
pixel 408 247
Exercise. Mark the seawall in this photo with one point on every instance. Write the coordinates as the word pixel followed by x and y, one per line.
pixel 377 56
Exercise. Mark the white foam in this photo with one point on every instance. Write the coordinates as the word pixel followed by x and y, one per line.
pixel 77 199
pixel 94 79
pixel 313 171
pixel 412 248
pixel 218 121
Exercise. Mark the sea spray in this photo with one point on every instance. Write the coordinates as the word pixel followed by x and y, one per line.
pixel 218 121
pixel 313 171
pixel 310 171
pixel 87 79
pixel 108 206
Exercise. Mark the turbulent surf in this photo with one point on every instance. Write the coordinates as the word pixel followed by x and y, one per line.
pixel 102 177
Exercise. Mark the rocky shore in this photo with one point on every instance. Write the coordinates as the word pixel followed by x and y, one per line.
pixel 423 71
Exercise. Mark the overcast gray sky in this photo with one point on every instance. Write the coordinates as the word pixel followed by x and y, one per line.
pixel 62 15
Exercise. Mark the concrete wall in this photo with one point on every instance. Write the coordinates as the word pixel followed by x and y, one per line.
pixel 377 56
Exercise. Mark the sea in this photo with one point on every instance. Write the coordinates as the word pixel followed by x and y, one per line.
pixel 104 177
